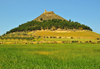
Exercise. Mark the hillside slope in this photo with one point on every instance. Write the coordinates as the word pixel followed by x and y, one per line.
pixel 78 34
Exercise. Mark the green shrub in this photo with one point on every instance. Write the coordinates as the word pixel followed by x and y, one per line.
pixel 60 37
pixel 38 37
pixel 41 19
pixel 74 41
pixel 47 37
pixel 50 36
pixel 90 41
pixel 24 34
pixel 71 37
pixel 98 38
pixel 86 41
pixel 54 37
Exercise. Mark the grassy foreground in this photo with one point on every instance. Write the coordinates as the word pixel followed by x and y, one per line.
pixel 50 56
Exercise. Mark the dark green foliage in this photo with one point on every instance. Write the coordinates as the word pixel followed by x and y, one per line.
pixel 74 41
pixel 71 37
pixel 50 36
pixel 48 24
pixel 54 37
pixel 98 38
pixel 38 37
pixel 60 37
pixel 3 34
pixel 41 19
pixel 69 20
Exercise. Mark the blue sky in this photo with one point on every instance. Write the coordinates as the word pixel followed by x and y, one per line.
pixel 16 12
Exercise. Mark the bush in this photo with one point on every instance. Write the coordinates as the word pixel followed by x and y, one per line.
pixel 47 37
pixel 54 37
pixel 71 37
pixel 74 41
pixel 90 41
pixel 60 37
pixel 41 19
pixel 86 42
pixel 38 37
pixel 98 38
pixel 50 36
pixel 24 34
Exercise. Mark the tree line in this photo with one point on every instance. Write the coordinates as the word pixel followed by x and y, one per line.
pixel 49 24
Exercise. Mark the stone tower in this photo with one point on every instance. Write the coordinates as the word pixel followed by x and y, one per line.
pixel 45 10
pixel 48 12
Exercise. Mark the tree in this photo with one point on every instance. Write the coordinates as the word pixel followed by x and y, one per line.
pixel 41 19
pixel 69 20
pixel 44 21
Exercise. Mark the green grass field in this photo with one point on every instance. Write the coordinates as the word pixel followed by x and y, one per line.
pixel 50 56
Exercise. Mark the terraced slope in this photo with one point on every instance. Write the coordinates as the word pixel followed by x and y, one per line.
pixel 81 34
pixel 78 34
pixel 34 37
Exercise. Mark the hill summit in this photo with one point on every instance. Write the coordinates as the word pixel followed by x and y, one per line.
pixel 48 16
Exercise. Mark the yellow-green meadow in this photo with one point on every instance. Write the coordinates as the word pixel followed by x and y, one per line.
pixel 50 56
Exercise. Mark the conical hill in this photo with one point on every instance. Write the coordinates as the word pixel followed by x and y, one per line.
pixel 51 21
pixel 50 25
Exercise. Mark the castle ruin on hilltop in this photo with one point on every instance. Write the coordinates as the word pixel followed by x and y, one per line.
pixel 50 12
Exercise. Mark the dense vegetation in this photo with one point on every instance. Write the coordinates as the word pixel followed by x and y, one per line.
pixel 49 24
